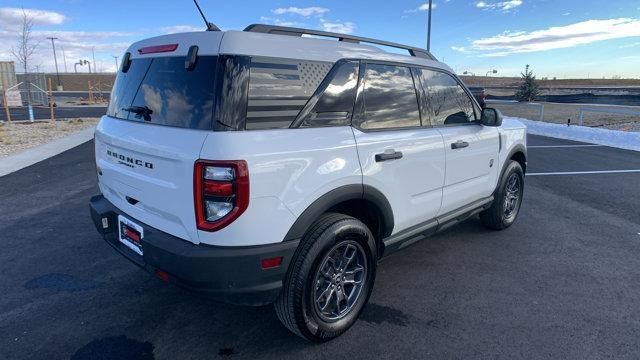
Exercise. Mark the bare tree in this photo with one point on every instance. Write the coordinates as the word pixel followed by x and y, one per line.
pixel 26 47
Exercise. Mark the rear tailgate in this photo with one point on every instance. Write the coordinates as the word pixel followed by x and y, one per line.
pixel 147 172
pixel 160 113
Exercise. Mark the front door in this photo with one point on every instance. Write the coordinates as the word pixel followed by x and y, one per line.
pixel 471 149
pixel 398 156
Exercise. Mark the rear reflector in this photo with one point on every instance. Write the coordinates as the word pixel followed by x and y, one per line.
pixel 218 188
pixel 272 262
pixel 157 49
pixel 162 275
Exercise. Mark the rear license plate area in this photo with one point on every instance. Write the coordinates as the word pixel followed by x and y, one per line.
pixel 130 234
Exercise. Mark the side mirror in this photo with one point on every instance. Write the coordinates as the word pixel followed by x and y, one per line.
pixel 491 117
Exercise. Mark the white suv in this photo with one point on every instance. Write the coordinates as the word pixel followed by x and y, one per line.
pixel 270 166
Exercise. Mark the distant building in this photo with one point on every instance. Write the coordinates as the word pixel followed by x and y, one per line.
pixel 7 80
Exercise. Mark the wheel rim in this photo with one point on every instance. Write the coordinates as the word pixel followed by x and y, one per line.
pixel 512 196
pixel 339 281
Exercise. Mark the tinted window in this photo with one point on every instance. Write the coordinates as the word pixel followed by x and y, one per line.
pixel 335 103
pixel 446 102
pixel 279 89
pixel 389 98
pixel 161 91
pixel 126 86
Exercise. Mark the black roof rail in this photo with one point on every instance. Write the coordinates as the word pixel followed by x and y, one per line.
pixel 292 31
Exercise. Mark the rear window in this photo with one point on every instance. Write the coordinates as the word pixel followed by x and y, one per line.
pixel 162 91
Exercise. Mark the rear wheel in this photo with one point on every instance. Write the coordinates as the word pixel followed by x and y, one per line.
pixel 330 278
pixel 508 198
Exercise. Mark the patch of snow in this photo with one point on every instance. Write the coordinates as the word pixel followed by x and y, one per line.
pixel 613 138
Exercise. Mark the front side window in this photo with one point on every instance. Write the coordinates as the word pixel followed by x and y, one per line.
pixel 389 98
pixel 446 102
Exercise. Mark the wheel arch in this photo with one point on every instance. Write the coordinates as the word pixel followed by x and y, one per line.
pixel 363 202
pixel 519 154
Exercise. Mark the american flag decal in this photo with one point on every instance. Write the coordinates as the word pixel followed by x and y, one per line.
pixel 279 89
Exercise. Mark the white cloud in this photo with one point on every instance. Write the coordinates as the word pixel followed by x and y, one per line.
pixel 630 45
pixel 281 22
pixel 558 37
pixel 422 7
pixel 181 28
pixel 338 27
pixel 76 45
pixel 425 6
pixel 500 5
pixel 308 11
pixel 12 17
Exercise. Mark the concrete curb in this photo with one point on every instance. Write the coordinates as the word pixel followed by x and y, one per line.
pixel 28 157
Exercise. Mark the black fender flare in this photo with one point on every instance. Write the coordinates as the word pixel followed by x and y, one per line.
pixel 517 148
pixel 337 196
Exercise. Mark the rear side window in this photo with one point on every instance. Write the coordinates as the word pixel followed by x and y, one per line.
pixel 390 99
pixel 279 89
pixel 446 102
pixel 162 91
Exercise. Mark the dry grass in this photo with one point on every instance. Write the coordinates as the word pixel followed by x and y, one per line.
pixel 560 113
pixel 20 136
pixel 3 134
pixel 514 81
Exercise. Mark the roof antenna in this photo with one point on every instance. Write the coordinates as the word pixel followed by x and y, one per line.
pixel 210 26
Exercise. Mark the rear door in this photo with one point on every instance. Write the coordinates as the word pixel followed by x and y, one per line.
pixel 399 157
pixel 159 116
pixel 471 149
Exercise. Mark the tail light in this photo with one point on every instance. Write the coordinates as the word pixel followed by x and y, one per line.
pixel 221 192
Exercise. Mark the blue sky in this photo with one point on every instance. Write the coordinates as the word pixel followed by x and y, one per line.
pixel 558 38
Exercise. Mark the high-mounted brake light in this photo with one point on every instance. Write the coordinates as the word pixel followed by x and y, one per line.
pixel 221 192
pixel 157 49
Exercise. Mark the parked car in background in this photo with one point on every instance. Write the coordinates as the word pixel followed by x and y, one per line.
pixel 480 95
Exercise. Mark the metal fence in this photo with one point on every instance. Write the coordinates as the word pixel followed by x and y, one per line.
pixel 33 89
pixel 605 110
pixel 537 106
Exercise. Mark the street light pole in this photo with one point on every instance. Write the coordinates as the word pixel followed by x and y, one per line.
pixel 55 59
pixel 93 51
pixel 64 58
pixel 429 27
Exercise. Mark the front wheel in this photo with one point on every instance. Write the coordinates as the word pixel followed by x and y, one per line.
pixel 508 198
pixel 330 279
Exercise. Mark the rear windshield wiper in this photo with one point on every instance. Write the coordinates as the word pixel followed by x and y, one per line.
pixel 140 111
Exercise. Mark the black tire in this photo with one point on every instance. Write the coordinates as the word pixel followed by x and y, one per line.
pixel 297 306
pixel 503 213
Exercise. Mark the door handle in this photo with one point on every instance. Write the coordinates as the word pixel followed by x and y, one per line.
pixel 459 144
pixel 389 155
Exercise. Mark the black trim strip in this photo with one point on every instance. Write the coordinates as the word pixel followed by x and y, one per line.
pixel 282 119
pixel 275 107
pixel 278 97
pixel 262 65
pixel 415 233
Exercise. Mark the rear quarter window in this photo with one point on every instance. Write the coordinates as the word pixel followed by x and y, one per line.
pixel 279 90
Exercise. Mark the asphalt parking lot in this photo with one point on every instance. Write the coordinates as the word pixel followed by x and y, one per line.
pixel 563 282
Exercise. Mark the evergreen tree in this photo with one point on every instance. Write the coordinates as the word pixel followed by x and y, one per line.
pixel 529 89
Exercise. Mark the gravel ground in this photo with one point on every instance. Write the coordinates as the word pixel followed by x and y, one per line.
pixel 17 136
pixel 559 113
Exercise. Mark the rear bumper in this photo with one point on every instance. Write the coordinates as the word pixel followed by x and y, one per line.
pixel 228 274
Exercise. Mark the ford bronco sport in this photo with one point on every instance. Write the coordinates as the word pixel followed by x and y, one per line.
pixel 269 166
